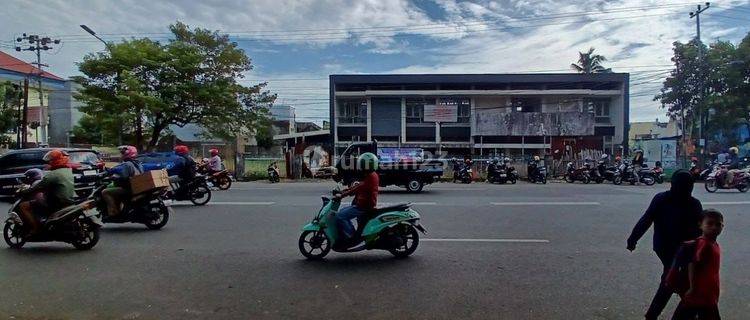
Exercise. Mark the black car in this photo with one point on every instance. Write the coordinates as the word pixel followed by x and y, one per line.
pixel 86 165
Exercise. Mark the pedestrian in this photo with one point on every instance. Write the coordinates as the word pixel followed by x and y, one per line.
pixel 702 297
pixel 675 215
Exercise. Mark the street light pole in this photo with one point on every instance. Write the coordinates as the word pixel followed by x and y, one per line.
pixel 117 78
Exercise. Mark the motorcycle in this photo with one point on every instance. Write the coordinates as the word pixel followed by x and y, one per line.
pixel 713 166
pixel 220 179
pixel 77 224
pixel 537 173
pixel 147 208
pixel 609 173
pixel 502 175
pixel 273 175
pixel 658 173
pixel 629 173
pixel 196 190
pixel 715 180
pixel 465 174
pixel 593 173
pixel 391 228
pixel 573 174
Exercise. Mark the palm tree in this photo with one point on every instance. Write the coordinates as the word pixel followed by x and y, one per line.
pixel 589 62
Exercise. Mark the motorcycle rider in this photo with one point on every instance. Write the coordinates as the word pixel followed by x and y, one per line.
pixel 214 164
pixel 365 196
pixel 130 167
pixel 188 170
pixel 456 169
pixel 534 166
pixel 58 187
pixel 733 165
pixel 638 159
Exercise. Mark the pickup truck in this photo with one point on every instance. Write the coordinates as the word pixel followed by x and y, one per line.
pixel 402 167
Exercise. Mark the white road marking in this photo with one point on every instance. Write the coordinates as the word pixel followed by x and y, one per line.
pixel 719 203
pixel 230 203
pixel 487 240
pixel 557 203
pixel 385 204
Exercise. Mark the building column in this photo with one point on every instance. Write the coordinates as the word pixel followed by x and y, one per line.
pixel 403 120
pixel 369 119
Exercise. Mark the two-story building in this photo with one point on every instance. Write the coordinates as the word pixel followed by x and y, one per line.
pixel 482 114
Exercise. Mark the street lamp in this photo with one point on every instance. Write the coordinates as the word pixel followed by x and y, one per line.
pixel 91 32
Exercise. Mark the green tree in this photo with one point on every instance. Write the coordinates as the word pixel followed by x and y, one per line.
pixel 681 91
pixel 144 86
pixel 10 99
pixel 588 62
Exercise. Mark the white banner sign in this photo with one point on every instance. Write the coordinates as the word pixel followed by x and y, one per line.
pixel 441 113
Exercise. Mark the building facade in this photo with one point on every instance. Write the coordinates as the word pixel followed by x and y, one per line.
pixel 483 114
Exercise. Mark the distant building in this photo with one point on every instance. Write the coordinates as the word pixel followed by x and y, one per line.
pixel 653 130
pixel 63 113
pixel 15 70
pixel 483 114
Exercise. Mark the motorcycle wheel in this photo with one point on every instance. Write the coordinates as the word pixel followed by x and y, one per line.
pixel 89 236
pixel 586 179
pixel 649 181
pixel 544 180
pixel 617 180
pixel 13 235
pixel 224 183
pixel 318 240
pixel 410 238
pixel 414 186
pixel 569 179
pixel 200 195
pixel 659 180
pixel 161 220
pixel 743 187
pixel 513 181
pixel 711 185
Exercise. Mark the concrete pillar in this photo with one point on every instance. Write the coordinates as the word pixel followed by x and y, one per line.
pixel 403 120
pixel 369 119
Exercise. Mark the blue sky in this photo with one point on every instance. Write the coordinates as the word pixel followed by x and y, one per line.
pixel 295 45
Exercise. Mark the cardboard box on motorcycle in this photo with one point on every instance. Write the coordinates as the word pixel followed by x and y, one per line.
pixel 149 180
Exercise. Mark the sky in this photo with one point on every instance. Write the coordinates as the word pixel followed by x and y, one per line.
pixel 295 45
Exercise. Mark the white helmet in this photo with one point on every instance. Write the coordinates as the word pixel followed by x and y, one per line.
pixel 604 156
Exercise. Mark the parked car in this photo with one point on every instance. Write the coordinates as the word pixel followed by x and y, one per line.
pixel 402 167
pixel 86 165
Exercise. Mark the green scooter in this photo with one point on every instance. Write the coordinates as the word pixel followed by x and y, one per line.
pixel 392 228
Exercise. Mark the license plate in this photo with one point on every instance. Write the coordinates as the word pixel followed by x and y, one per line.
pixel 89 172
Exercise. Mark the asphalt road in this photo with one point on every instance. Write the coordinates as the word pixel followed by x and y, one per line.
pixel 524 251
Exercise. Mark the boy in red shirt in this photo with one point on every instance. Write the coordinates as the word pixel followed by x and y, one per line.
pixel 702 299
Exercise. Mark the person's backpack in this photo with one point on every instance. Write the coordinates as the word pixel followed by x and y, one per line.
pixel 677 277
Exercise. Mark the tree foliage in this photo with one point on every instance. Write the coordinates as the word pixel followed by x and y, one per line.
pixel 10 99
pixel 588 62
pixel 141 86
pixel 715 88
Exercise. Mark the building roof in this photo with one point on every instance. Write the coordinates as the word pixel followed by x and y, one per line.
pixel 13 64
pixel 478 78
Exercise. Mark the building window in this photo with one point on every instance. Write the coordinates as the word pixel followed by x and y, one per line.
pixel 527 104
pixel 352 111
pixel 415 109
pixel 601 110
pixel 463 106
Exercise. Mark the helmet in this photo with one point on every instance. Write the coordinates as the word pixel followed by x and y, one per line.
pixel 32 175
pixel 214 152
pixel 128 152
pixel 734 150
pixel 495 160
pixel 506 160
pixel 536 158
pixel 367 162
pixel 56 158
pixel 181 149
pixel 604 156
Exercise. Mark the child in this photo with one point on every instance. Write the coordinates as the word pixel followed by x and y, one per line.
pixel 702 297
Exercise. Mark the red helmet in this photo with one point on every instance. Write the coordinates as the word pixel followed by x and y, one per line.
pixel 56 158
pixel 181 149
pixel 214 152
pixel 128 152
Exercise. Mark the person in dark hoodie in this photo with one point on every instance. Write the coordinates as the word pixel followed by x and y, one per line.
pixel 676 215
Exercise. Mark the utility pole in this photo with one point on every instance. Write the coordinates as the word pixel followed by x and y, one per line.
pixel 697 15
pixel 39 44
pixel 25 114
